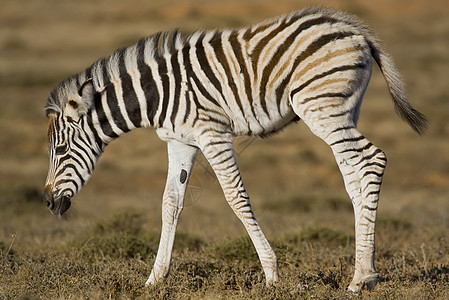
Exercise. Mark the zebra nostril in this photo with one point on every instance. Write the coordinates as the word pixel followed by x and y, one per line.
pixel 48 198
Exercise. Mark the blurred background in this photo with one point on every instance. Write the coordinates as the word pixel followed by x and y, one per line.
pixel 45 41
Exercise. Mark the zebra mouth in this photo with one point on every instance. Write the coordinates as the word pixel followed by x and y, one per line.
pixel 57 206
pixel 64 205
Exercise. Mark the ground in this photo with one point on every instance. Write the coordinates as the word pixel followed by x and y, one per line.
pixel 106 245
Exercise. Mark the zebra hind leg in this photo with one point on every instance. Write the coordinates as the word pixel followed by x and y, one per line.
pixel 362 165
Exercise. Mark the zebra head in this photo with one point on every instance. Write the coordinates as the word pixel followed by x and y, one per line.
pixel 73 148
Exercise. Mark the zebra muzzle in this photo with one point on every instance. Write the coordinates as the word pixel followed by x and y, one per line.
pixel 56 206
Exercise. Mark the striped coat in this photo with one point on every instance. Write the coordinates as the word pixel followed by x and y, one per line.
pixel 202 90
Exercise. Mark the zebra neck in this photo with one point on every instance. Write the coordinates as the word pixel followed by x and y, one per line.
pixel 116 111
pixel 134 86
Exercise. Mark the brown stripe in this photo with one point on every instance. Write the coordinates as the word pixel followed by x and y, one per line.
pixel 237 47
pixel 326 58
pixel 255 54
pixel 311 49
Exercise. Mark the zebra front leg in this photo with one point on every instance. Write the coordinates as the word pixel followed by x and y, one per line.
pixel 330 108
pixel 181 158
pixel 220 154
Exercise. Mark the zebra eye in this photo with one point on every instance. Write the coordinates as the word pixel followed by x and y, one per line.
pixel 61 149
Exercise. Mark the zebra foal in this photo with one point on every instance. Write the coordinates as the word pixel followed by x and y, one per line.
pixel 202 90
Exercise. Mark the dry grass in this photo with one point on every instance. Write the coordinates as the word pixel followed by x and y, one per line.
pixel 106 246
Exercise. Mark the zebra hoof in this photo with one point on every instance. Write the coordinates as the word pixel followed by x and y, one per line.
pixel 367 283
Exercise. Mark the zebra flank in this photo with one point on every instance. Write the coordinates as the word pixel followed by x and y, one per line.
pixel 200 90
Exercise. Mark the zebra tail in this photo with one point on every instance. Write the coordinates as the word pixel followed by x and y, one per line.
pixel 395 84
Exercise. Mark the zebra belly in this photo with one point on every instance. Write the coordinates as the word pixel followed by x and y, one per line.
pixel 262 124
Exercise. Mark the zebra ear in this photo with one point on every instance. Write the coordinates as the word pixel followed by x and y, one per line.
pixel 81 102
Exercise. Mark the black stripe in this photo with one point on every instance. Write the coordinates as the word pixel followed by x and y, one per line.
pixel 216 43
pixel 198 105
pixel 88 72
pixel 62 181
pixel 192 76
pixel 245 194
pixel 205 66
pixel 102 119
pixel 371 183
pixel 87 164
pixel 147 82
pixel 187 112
pixel 343 128
pixel 57 128
pixel 97 138
pixel 373 164
pixel 121 61
pixel 150 91
pixel 90 143
pixel 112 102
pixel 106 78
pixel 355 139
pixel 63 159
pixel 72 167
pixel 177 74
pixel 373 154
pixel 77 161
pixel 376 193
pixel 245 204
pixel 372 173
pixel 367 146
pixel 165 89
pixel 129 94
